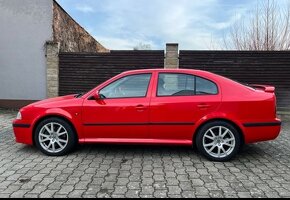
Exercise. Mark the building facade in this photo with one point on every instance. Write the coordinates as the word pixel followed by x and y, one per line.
pixel 31 31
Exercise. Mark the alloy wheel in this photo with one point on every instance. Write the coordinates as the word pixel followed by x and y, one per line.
pixel 219 141
pixel 53 137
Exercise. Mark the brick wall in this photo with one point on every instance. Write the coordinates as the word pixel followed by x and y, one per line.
pixel 71 36
pixel 68 36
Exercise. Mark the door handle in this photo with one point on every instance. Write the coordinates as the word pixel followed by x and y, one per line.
pixel 203 106
pixel 140 107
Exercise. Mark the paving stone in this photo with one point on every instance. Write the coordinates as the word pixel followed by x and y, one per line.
pixel 244 194
pixel 65 190
pixel 18 194
pixel 32 196
pixel 216 194
pixel 147 190
pixel 197 182
pixel 107 171
pixel 47 194
pixel 174 190
pixel 120 190
pixel 132 194
pixel 188 194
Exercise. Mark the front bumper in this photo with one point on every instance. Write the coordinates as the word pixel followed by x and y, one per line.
pixel 23 132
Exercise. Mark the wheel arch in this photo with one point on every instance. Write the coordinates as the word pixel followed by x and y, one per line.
pixel 240 131
pixel 39 120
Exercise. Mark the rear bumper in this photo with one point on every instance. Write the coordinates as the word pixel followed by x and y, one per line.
pixel 22 132
pixel 261 131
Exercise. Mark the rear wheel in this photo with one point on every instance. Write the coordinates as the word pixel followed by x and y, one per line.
pixel 218 141
pixel 55 137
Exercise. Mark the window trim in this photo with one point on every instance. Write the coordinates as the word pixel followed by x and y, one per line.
pixel 129 76
pixel 195 76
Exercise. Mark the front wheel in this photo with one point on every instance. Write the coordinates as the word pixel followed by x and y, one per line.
pixel 218 141
pixel 54 137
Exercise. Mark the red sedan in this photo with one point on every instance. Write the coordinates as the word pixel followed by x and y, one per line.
pixel 164 107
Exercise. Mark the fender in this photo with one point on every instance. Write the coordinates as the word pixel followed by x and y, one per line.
pixel 218 116
pixel 74 120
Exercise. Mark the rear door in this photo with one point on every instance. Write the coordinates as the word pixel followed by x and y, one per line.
pixel 178 101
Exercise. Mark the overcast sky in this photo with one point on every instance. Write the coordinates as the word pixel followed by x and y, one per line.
pixel 123 24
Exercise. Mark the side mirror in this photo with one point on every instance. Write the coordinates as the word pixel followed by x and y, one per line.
pixel 97 95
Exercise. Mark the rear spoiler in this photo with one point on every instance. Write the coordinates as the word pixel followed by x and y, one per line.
pixel 265 88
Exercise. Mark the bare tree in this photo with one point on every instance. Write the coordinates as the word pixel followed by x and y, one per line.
pixel 267 28
pixel 142 46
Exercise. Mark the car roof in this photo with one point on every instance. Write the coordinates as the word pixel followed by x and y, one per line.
pixel 167 70
pixel 202 73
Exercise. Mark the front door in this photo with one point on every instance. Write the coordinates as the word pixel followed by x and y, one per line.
pixel 123 111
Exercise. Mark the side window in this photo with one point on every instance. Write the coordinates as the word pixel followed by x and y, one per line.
pixel 170 84
pixel 204 86
pixel 127 87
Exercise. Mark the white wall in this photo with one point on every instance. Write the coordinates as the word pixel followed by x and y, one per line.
pixel 25 25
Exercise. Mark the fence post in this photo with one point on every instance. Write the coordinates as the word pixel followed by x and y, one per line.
pixel 171 59
pixel 52 69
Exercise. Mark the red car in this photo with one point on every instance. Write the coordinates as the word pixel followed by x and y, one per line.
pixel 164 107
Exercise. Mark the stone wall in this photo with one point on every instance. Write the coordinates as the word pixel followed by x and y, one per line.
pixel 52 69
pixel 171 59
pixel 71 36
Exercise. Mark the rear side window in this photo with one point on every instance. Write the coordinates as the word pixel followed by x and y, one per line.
pixel 171 84
pixel 176 85
pixel 204 86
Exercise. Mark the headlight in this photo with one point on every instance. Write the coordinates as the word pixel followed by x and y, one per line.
pixel 19 116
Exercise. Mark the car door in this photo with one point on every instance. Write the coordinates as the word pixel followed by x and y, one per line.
pixel 122 112
pixel 178 101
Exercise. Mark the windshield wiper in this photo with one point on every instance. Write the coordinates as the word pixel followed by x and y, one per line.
pixel 79 95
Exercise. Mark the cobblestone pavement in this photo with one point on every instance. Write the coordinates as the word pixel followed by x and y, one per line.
pixel 260 170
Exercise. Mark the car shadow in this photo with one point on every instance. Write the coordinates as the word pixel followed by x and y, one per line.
pixel 248 152
pixel 27 149
pixel 117 148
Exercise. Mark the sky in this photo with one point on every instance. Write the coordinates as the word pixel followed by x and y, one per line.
pixel 124 24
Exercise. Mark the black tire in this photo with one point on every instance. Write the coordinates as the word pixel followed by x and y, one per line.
pixel 232 135
pixel 70 137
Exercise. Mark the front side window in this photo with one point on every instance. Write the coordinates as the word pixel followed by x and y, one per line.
pixel 176 84
pixel 127 87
